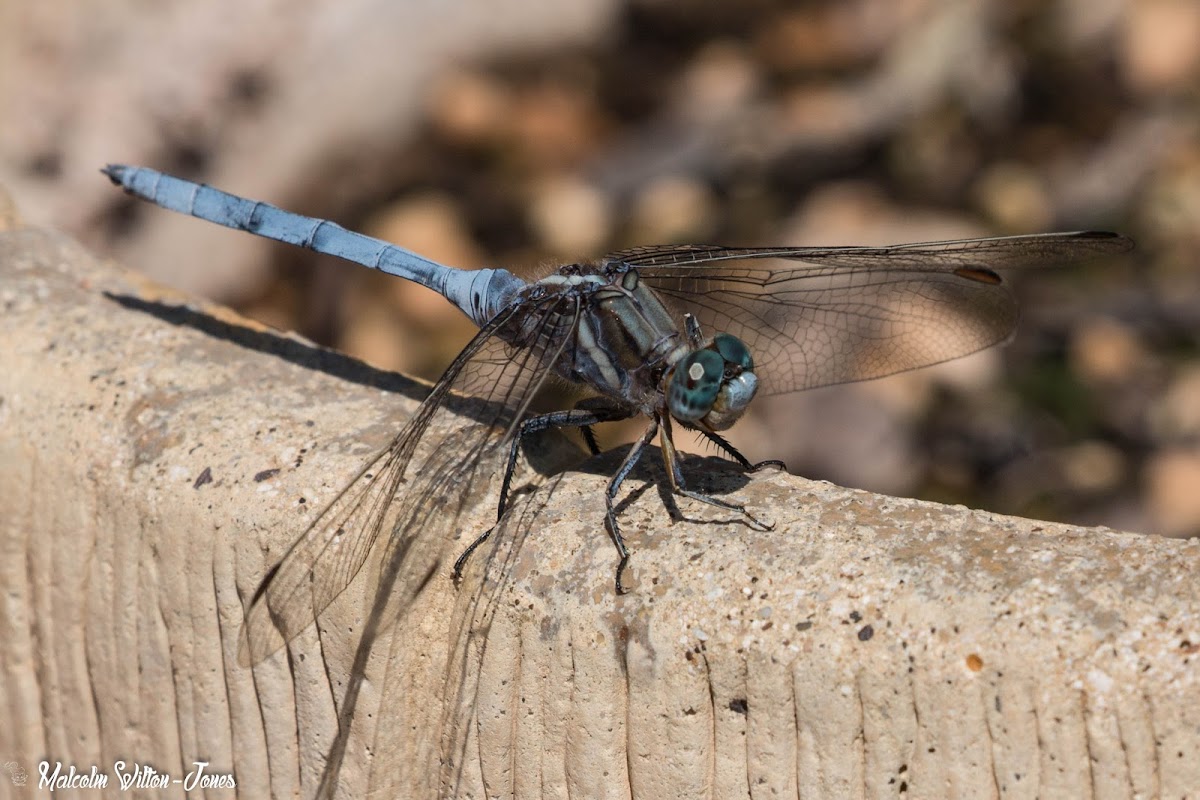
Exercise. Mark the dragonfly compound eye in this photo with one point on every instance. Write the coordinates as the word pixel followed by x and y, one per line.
pixel 733 351
pixel 738 383
pixel 695 384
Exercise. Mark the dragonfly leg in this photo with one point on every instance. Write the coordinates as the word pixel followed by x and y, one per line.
pixel 606 412
pixel 577 418
pixel 692 326
pixel 675 475
pixel 614 485
pixel 589 436
pixel 723 443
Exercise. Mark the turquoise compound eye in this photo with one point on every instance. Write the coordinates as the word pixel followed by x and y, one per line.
pixel 733 351
pixel 695 384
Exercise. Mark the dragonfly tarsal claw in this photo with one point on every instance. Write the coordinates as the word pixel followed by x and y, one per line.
pixel 758 524
pixel 770 462
pixel 620 570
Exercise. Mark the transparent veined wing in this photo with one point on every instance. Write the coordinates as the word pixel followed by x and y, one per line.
pixel 816 316
pixel 415 494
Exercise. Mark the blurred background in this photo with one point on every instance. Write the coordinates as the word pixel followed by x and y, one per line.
pixel 526 133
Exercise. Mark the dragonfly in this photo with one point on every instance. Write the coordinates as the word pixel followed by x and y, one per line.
pixel 680 335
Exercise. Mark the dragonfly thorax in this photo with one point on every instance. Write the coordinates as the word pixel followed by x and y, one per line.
pixel 711 386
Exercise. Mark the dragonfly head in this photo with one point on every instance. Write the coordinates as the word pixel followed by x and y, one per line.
pixel 711 386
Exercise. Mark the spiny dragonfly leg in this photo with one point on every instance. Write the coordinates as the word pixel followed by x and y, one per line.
pixel 675 474
pixel 589 436
pixel 723 443
pixel 577 418
pixel 606 412
pixel 614 485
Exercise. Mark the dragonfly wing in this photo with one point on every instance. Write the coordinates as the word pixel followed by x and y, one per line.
pixel 492 398
pixel 998 252
pixel 820 316
pixel 477 403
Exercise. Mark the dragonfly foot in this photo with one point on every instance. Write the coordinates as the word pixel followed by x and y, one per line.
pixel 461 561
pixel 620 569
pixel 756 523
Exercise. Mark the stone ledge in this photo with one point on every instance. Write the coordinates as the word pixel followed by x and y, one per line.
pixel 866 646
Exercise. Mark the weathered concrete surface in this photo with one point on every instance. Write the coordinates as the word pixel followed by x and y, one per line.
pixel 867 646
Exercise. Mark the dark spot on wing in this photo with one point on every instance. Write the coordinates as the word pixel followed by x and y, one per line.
pixel 979 275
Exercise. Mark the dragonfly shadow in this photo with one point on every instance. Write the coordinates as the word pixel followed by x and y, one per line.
pixel 708 475
pixel 552 453
pixel 477 602
pixel 303 354
pixel 424 539
pixel 407 570
pixel 280 345
pixel 396 571
pixel 413 558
